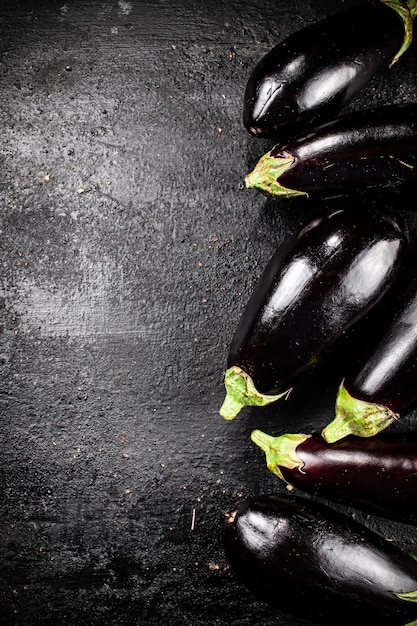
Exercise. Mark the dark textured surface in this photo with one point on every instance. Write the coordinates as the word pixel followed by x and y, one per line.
pixel 129 247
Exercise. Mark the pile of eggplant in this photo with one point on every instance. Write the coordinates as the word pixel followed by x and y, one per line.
pixel 338 270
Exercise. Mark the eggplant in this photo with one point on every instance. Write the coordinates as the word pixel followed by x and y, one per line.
pixel 358 151
pixel 376 475
pixel 382 385
pixel 311 75
pixel 310 560
pixel 319 284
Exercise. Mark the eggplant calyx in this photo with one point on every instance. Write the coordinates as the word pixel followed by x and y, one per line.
pixel 280 451
pixel 407 10
pixel 266 173
pixel 357 417
pixel 409 596
pixel 241 391
pixel 412 7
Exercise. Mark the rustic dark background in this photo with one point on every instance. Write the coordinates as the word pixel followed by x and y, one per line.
pixel 129 247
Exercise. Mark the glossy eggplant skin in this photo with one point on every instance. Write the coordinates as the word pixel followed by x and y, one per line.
pixel 376 475
pixel 311 75
pixel 320 282
pixel 310 560
pixel 366 149
pixel 388 372
pixel 382 386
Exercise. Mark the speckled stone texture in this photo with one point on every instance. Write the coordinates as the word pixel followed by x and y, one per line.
pixel 129 247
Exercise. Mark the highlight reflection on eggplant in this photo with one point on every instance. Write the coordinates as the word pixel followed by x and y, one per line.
pixel 312 74
pixel 382 387
pixel 319 283
pixel 361 150
pixel 309 560
pixel 377 475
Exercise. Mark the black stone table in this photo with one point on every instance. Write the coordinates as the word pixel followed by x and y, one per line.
pixel 129 246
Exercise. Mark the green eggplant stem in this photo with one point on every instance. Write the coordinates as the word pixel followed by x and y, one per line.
pixel 410 596
pixel 280 451
pixel 407 10
pixel 241 391
pixel 357 417
pixel 266 173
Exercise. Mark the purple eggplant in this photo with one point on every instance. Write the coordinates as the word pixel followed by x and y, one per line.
pixel 319 283
pixel 362 150
pixel 311 75
pixel 382 386
pixel 309 560
pixel 376 475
